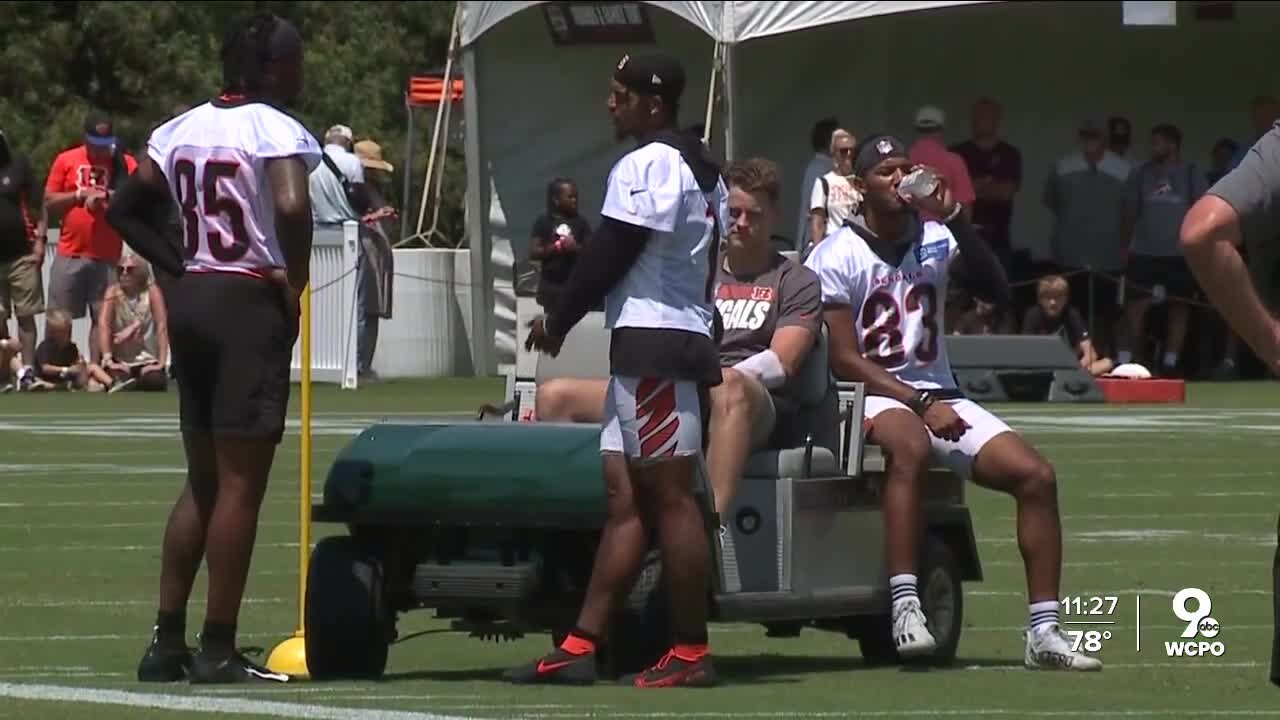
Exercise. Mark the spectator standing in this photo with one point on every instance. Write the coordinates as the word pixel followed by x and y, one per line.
pixel 1222 158
pixel 78 189
pixel 930 149
pixel 819 165
pixel 559 236
pixel 832 197
pixel 339 194
pixel 375 242
pixel 995 167
pixel 1119 136
pixel 1085 192
pixel 22 248
pixel 133 332
pixel 1160 192
pixel 1264 111
pixel 336 180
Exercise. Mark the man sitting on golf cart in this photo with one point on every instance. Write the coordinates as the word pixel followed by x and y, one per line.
pixel 882 276
pixel 771 311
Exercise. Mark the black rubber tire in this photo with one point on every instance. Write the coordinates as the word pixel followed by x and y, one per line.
pixel 941 598
pixel 346 620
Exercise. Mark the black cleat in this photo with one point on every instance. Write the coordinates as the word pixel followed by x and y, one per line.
pixel 165 661
pixel 672 671
pixel 220 668
pixel 558 668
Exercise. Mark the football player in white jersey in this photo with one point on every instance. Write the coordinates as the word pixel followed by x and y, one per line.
pixel 653 256
pixel 236 168
pixel 884 281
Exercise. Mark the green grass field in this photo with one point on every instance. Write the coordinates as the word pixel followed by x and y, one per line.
pixel 1154 499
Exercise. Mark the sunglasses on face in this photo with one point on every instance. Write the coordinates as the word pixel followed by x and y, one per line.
pixel 844 151
pixel 126 269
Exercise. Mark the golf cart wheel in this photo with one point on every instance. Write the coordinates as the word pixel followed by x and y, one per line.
pixel 347 628
pixel 941 599
pixel 640 633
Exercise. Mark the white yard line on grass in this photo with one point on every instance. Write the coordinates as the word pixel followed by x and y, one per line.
pixel 38 603
pixel 1128 565
pixel 937 712
pixel 113 548
pixel 112 637
pixel 203 704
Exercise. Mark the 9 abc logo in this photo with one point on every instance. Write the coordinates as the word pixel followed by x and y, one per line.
pixel 1199 623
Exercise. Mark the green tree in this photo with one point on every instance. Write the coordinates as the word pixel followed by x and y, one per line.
pixel 142 61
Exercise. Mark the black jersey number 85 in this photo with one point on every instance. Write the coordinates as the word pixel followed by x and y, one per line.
pixel 214 204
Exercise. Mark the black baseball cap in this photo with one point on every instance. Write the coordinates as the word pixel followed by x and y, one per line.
pixel 98 129
pixel 876 149
pixel 655 74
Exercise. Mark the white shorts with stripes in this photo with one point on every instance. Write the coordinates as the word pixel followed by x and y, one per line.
pixel 651 419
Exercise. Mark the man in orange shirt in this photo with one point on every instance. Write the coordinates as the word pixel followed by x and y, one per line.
pixel 78 189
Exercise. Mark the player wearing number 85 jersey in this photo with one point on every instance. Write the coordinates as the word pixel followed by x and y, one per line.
pixel 883 278
pixel 236 168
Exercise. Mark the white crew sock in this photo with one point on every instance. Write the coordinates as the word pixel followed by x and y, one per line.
pixel 903 589
pixel 1124 357
pixel 1170 359
pixel 1044 613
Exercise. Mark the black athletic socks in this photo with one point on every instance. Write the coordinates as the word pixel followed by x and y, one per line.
pixel 218 638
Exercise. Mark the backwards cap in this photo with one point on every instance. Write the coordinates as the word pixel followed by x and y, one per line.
pixel 875 150
pixel 657 75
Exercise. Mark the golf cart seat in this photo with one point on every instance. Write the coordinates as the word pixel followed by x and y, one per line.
pixel 806 439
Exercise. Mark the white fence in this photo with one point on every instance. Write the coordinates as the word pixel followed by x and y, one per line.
pixel 333 306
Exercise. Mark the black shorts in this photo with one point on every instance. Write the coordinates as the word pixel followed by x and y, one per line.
pixel 1147 271
pixel 232 348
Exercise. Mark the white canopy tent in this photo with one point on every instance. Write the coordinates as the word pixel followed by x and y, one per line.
pixel 535 110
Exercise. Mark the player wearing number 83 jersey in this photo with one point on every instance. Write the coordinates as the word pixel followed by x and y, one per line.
pixel 883 278
pixel 899 321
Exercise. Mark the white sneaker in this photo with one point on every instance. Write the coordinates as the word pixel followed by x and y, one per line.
pixel 910 632
pixel 1049 648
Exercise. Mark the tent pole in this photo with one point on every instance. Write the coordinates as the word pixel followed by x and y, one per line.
pixel 479 239
pixel 711 93
pixel 730 95
pixel 446 96
pixel 406 171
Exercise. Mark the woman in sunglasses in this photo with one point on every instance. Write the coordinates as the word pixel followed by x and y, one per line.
pixel 133 334
pixel 833 199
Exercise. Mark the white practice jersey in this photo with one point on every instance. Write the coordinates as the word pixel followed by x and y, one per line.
pixel 214 157
pixel 898 311
pixel 669 285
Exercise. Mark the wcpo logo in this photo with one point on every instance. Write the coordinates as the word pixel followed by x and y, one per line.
pixel 1199 624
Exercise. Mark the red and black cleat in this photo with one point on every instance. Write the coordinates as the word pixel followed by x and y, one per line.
pixel 675 670
pixel 561 667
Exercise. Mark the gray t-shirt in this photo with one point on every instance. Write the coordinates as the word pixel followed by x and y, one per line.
pixel 1252 189
pixel 1160 194
pixel 1088 204
pixel 753 307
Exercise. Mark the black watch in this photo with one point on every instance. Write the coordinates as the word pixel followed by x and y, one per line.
pixel 921 401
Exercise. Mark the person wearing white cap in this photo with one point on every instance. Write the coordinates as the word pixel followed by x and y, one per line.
pixel 331 183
